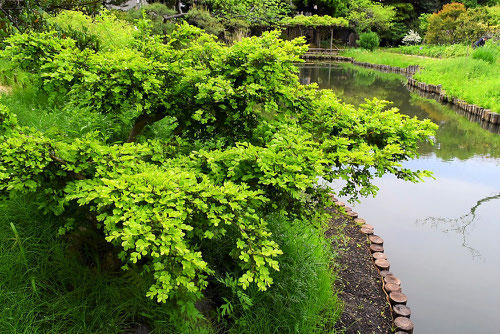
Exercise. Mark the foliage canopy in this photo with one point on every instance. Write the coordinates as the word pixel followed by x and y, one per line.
pixel 315 21
pixel 454 23
pixel 207 140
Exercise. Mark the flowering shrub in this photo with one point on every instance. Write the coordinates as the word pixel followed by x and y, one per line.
pixel 412 38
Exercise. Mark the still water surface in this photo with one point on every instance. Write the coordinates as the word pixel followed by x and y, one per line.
pixel 442 236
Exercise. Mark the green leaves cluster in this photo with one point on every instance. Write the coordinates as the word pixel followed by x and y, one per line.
pixel 366 15
pixel 253 12
pixel 240 138
pixel 456 24
pixel 314 21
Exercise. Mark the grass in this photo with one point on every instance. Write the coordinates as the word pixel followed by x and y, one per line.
pixel 474 80
pixel 385 58
pixel 302 299
pixel 436 51
pixel 45 287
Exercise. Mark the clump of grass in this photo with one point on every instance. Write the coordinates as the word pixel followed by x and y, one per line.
pixel 489 53
pixel 437 51
pixel 384 57
pixel 44 287
pixel 302 299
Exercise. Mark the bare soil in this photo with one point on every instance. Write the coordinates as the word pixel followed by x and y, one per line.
pixel 366 308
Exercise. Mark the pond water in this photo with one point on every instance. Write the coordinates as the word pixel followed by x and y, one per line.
pixel 442 236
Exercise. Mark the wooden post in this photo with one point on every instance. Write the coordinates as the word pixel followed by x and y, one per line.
pixel 366 231
pixel 378 255
pixel 384 273
pixel 404 324
pixel 331 39
pixel 401 311
pixel 398 298
pixel 375 239
pixel 361 221
pixel 382 264
pixel 376 248
pixel 391 287
pixel 390 278
pixel 352 214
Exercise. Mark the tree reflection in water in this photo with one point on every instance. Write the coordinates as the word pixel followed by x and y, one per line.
pixel 459 225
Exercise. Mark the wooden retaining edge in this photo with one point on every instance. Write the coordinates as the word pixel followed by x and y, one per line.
pixel 486 115
pixel 391 285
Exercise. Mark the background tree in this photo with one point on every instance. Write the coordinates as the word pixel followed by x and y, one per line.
pixel 443 24
pixel 27 14
pixel 335 8
pixel 366 15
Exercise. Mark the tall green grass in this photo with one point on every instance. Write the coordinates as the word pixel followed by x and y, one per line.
pixel 45 287
pixel 489 53
pixel 474 80
pixel 302 299
pixel 436 51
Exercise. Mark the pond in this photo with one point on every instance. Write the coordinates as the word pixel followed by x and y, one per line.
pixel 442 236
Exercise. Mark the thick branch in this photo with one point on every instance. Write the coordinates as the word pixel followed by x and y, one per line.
pixel 77 176
pixel 10 18
pixel 141 122
pixel 169 17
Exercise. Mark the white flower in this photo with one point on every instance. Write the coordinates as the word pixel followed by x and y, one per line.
pixel 412 38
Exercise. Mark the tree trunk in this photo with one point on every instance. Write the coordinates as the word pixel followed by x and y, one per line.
pixel 141 122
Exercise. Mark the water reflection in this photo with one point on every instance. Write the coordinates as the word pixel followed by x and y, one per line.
pixel 460 225
pixel 452 277
pixel 457 137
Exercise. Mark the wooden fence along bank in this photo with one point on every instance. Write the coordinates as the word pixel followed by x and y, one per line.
pixel 489 120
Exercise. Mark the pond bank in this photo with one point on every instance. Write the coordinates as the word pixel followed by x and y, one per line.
pixel 365 308
pixel 372 296
pixel 483 115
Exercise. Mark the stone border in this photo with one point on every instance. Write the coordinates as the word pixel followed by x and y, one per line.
pixel 485 115
pixel 391 285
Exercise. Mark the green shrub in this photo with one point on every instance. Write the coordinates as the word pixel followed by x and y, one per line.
pixel 102 32
pixel 437 51
pixel 241 138
pixel 489 52
pixel 369 40
pixel 454 23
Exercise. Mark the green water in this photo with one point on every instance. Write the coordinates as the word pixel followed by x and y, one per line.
pixel 441 236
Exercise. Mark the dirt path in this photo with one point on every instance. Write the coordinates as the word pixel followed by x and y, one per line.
pixel 366 309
